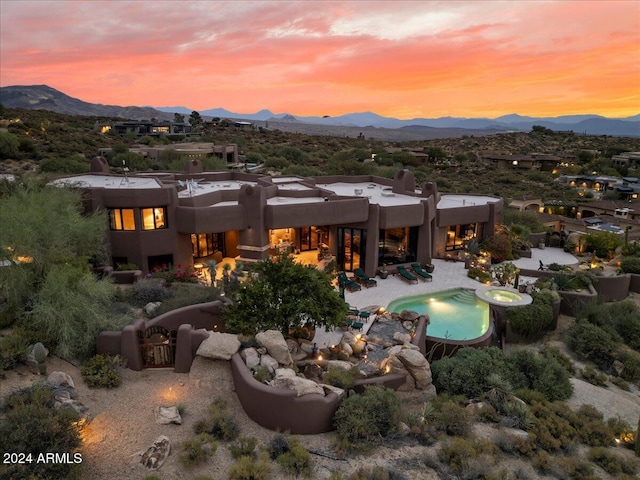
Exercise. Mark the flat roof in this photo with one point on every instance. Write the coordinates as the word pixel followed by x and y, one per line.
pixel 285 179
pixel 293 200
pixel 203 187
pixel 457 201
pixel 108 181
pixel 376 193
pixel 293 186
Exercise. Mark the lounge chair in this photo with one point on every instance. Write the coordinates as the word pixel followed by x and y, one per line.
pixel 363 279
pixel 423 274
pixel 407 275
pixel 347 283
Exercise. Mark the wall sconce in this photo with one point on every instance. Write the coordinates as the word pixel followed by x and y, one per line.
pixel 287 230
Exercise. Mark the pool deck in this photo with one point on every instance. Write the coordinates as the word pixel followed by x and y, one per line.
pixel 446 276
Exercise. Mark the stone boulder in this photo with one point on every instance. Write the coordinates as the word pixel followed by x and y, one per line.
pixel 276 346
pixel 151 307
pixel 408 315
pixel 401 338
pixel 349 338
pixel 417 366
pixel 219 346
pixel 60 379
pixel 154 456
pixel 394 365
pixel 250 357
pixel 167 415
pixel 302 386
pixel 339 364
pixel 269 362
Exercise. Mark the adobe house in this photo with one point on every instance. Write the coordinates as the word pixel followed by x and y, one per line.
pixel 365 221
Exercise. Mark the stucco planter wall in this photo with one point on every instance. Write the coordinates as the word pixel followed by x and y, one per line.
pixel 634 283
pixel 613 288
pixel 571 301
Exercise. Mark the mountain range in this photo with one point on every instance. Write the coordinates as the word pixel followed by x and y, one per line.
pixel 47 98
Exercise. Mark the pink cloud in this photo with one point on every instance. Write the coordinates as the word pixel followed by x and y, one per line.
pixel 418 58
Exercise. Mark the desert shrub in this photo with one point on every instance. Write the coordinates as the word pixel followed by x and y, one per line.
pixel 32 426
pixel 220 423
pixel 545 375
pixel 453 419
pixel 553 432
pixel 262 373
pixel 630 264
pixel 340 377
pixel 514 445
pixel 296 460
pixel 185 295
pixel 531 321
pixel 103 371
pixel 250 468
pixel 243 447
pixel 612 463
pixel 196 451
pixel 124 267
pixel 462 457
pixel 517 415
pixel 278 445
pixel 479 274
pixel 591 343
pixel 376 473
pixel 626 318
pixel 145 291
pixel 364 419
pixel 620 383
pixel 13 350
pixel 574 468
pixel 549 351
pixel 631 361
pixel 593 376
pixel 467 372
pixel 591 427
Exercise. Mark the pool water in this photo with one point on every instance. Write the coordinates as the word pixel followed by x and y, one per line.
pixel 454 314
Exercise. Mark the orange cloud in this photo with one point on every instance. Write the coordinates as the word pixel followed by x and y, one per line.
pixel 407 59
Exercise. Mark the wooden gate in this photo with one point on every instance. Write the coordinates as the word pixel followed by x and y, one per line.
pixel 158 347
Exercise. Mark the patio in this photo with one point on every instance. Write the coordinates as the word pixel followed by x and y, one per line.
pixel 446 275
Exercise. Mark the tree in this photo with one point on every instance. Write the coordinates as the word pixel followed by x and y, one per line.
pixel 195 119
pixel 50 291
pixel 9 146
pixel 283 294
pixel 178 118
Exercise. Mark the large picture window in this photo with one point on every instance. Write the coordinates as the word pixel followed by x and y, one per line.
pixel 206 244
pixel 397 245
pixel 154 218
pixel 122 219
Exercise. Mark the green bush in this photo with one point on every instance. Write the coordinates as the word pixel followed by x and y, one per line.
pixel 250 468
pixel 185 295
pixel 295 461
pixel 626 318
pixel 479 274
pixel 462 457
pixel 145 291
pixel 631 361
pixel 593 376
pixel 32 426
pixel 553 432
pixel 196 451
pixel 467 373
pixel 453 419
pixel 219 424
pixel 366 418
pixel 103 371
pixel 540 372
pixel 13 350
pixel 243 447
pixel 612 463
pixel 340 377
pixel 531 321
pixel 591 427
pixel 278 445
pixel 592 343
pixel 630 265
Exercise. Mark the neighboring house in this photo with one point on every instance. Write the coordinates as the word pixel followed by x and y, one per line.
pixel 190 151
pixel 629 159
pixel 365 221
pixel 140 128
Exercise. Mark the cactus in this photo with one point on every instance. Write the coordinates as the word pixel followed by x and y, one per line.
pixel 40 354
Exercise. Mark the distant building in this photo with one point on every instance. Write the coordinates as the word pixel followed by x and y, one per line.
pixel 141 129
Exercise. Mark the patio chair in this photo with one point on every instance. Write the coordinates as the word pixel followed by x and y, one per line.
pixel 363 279
pixel 354 324
pixel 406 275
pixel 347 283
pixel 421 273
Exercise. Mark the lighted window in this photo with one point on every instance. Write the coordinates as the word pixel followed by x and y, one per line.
pixel 154 218
pixel 122 219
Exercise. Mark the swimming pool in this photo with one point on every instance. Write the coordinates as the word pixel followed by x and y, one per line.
pixel 454 314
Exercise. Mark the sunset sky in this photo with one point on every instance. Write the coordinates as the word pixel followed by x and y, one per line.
pixel 404 59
